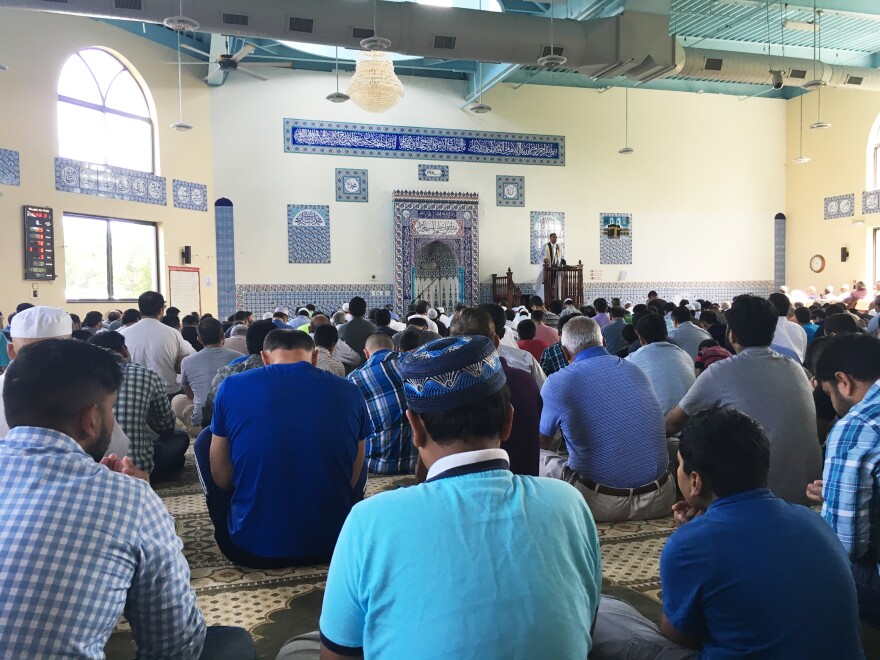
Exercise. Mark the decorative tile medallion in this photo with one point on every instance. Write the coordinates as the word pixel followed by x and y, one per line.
pixel 332 138
pixel 870 202
pixel 351 185
pixel 10 170
pixel 542 224
pixel 433 172
pixel 510 190
pixel 224 228
pixel 615 238
pixel 74 176
pixel 188 195
pixel 840 206
pixel 308 234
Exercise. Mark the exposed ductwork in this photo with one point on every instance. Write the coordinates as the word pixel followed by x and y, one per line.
pixel 633 44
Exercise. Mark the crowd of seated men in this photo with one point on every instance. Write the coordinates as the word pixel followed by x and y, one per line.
pixel 738 417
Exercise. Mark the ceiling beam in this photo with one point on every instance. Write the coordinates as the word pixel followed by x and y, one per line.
pixel 869 9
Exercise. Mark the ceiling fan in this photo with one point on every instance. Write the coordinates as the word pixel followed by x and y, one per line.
pixel 228 63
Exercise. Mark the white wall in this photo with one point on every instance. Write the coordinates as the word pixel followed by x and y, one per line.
pixel 35 47
pixel 704 184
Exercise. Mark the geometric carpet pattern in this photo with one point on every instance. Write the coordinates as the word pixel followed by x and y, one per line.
pixel 275 605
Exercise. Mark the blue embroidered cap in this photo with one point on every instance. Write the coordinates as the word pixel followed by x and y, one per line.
pixel 450 373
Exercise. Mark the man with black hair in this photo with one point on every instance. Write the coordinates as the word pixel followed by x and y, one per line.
pixel 526 330
pixel 355 332
pixel 255 472
pixel 197 372
pixel 241 317
pixel 848 371
pixel 542 331
pixel 804 319
pixel 668 367
pixel 422 309
pixel 146 417
pixel 613 332
pixel 743 578
pixel 458 529
pixel 383 322
pixel 389 447
pixel 418 325
pixel 788 335
pixel 326 337
pixel 507 346
pixel 81 543
pixel 767 386
pixel 686 335
pixel 155 345
pixel 93 322
pixel 256 335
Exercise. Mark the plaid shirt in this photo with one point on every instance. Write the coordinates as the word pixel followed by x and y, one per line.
pixel 389 447
pixel 253 361
pixel 553 359
pixel 852 477
pixel 141 408
pixel 81 545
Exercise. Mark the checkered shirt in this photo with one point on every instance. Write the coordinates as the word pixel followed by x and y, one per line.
pixel 852 477
pixel 142 410
pixel 389 447
pixel 553 359
pixel 253 361
pixel 81 545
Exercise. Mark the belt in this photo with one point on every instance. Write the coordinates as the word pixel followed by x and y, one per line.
pixel 571 476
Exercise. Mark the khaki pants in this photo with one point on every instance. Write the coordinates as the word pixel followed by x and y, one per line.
pixel 183 406
pixel 611 508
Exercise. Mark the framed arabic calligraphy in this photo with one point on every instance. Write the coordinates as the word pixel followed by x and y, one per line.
pixel 510 190
pixel 308 234
pixel 347 139
pixel 351 185
pixel 108 181
pixel 188 195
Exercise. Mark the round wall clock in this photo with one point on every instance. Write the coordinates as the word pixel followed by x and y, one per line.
pixel 817 263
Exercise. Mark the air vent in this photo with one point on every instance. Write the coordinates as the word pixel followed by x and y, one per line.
pixel 235 19
pixel 128 4
pixel 361 33
pixel 799 74
pixel 713 64
pixel 301 24
pixel 557 50
pixel 446 43
pixel 854 80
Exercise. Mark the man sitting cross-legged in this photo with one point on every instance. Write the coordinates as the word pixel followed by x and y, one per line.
pixel 278 495
pixel 476 562
pixel 80 543
pixel 620 468
pixel 752 576
pixel 389 447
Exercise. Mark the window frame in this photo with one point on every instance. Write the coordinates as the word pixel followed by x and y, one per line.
pixel 108 220
pixel 104 110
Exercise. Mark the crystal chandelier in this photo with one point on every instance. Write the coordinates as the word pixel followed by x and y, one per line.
pixel 374 86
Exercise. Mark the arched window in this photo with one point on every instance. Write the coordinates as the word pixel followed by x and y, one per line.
pixel 103 114
pixel 874 156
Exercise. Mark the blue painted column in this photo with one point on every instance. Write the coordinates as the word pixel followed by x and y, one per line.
pixel 225 235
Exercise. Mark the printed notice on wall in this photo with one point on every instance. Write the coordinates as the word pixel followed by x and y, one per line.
pixel 183 289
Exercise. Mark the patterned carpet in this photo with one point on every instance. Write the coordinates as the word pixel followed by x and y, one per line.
pixel 277 604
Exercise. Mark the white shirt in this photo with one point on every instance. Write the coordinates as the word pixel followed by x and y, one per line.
pixel 520 359
pixel 119 442
pixel 431 325
pixel 791 335
pixel 446 463
pixel 156 346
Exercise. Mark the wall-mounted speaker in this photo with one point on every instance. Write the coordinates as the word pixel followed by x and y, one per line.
pixel 186 254
pixel 844 254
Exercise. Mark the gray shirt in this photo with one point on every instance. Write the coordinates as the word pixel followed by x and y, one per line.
pixel 688 337
pixel 670 370
pixel 198 371
pixel 775 391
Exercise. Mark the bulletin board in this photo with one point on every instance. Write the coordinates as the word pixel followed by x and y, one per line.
pixel 184 291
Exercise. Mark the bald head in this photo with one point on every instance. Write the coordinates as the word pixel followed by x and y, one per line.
pixel 378 341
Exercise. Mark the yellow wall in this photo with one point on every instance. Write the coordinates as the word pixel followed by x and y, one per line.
pixel 838 167
pixel 35 47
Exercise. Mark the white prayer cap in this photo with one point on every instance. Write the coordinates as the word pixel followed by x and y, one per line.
pixel 283 310
pixel 303 309
pixel 697 306
pixel 443 311
pixel 691 307
pixel 432 314
pixel 267 316
pixel 568 301
pixel 41 323
pixel 345 307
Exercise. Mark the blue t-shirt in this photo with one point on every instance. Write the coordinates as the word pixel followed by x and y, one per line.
pixel 610 418
pixel 757 576
pixel 811 329
pixel 480 565
pixel 293 434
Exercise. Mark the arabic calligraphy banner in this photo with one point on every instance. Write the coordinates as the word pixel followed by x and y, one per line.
pixel 108 181
pixel 330 138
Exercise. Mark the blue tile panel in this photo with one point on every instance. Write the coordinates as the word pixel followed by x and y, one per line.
pixel 75 176
pixel 225 235
pixel 637 292
pixel 615 238
pixel 262 298
pixel 308 234
pixel 10 168
pixel 840 206
pixel 870 202
pixel 352 185
pixel 779 253
pixel 433 172
pixel 191 196
pixel 510 190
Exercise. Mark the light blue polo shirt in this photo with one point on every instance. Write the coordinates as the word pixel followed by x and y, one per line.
pixel 475 563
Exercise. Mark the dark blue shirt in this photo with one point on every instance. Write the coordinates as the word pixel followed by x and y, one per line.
pixel 293 434
pixel 759 577
pixel 610 418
